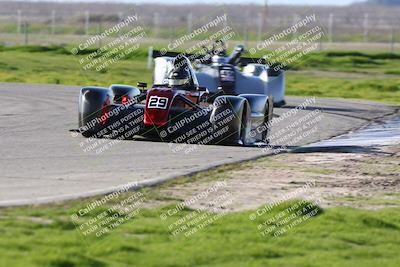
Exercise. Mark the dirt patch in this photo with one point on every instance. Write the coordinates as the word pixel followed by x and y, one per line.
pixel 369 180
pixel 37 220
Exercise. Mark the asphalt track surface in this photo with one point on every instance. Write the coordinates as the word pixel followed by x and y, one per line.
pixel 41 161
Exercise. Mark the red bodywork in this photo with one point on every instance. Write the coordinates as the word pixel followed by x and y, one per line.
pixel 159 102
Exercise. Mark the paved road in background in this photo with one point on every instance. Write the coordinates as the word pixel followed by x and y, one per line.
pixel 41 161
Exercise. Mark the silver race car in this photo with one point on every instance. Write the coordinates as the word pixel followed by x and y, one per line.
pixel 227 74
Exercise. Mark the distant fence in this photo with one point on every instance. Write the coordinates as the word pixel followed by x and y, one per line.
pixel 254 25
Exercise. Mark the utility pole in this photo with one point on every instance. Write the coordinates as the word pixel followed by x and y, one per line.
pixel 99 28
pixel 265 14
pixel 156 22
pixel 392 40
pixel 87 20
pixel 53 21
pixel 295 20
pixel 365 26
pixel 19 21
pixel 330 27
pixel 120 19
pixel 226 21
pixel 246 30
pixel 26 31
pixel 260 26
pixel 190 23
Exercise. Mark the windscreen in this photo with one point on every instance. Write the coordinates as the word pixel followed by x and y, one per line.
pixel 163 66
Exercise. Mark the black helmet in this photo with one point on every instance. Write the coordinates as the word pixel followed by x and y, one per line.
pixel 180 74
pixel 219 48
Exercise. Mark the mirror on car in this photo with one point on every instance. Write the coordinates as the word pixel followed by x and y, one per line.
pixel 202 89
pixel 141 85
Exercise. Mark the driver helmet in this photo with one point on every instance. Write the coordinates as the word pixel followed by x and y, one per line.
pixel 180 74
pixel 219 48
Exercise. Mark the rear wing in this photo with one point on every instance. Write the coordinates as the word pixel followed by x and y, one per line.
pixel 243 61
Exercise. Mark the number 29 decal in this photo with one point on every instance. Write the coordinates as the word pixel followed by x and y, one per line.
pixel 157 102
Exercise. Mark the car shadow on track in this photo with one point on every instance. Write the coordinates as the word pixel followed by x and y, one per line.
pixel 339 149
pixel 76 132
pixel 309 108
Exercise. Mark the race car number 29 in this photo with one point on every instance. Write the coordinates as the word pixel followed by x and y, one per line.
pixel 158 102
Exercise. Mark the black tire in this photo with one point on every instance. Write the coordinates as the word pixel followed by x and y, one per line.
pixel 268 118
pixel 120 90
pixel 245 125
pixel 239 119
pixel 261 107
pixel 94 102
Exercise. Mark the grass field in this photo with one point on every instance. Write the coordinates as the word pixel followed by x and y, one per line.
pixel 56 65
pixel 385 90
pixel 355 62
pixel 378 74
pixel 46 236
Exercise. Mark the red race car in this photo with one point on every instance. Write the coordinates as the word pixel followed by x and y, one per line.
pixel 176 110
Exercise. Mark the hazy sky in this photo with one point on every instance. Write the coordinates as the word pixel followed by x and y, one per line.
pixel 292 2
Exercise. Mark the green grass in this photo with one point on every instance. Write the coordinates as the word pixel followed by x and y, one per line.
pixel 354 62
pixel 347 61
pixel 46 236
pixel 385 90
pixel 391 199
pixel 56 65
pixel 335 237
